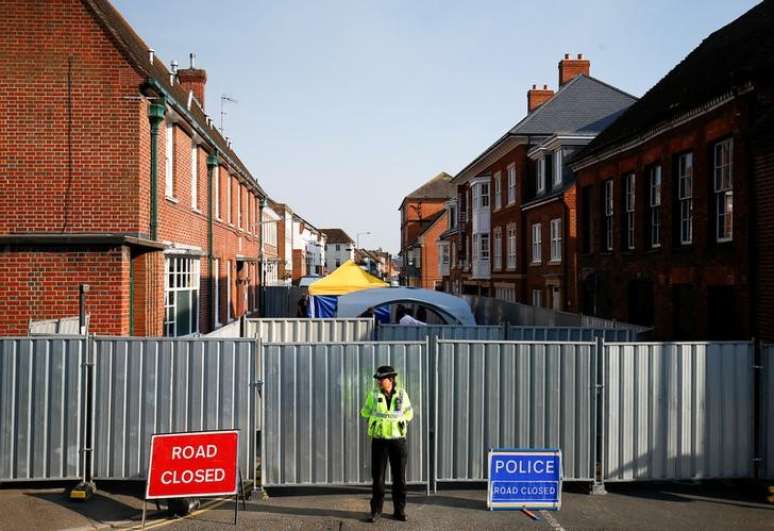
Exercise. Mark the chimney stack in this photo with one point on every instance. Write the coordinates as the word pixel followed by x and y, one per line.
pixel 193 79
pixel 572 68
pixel 537 97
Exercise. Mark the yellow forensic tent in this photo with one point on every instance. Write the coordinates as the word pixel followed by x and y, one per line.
pixel 347 278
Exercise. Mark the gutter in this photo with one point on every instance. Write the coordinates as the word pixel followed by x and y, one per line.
pixel 170 99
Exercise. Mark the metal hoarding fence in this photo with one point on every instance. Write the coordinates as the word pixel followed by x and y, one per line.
pixel 313 433
pixel 568 333
pixel 144 386
pixel 513 395
pixel 678 411
pixel 310 330
pixel 41 408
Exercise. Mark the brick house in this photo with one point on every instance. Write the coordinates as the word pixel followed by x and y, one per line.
pixel 676 198
pixel 516 232
pixel 418 210
pixel 114 176
pixel 308 249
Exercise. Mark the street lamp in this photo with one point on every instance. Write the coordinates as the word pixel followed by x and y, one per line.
pixel 357 238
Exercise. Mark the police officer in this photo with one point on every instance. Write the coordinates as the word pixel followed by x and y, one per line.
pixel 388 411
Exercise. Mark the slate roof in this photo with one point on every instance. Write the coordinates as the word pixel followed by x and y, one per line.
pixel 336 236
pixel 728 58
pixel 135 50
pixel 583 105
pixel 438 187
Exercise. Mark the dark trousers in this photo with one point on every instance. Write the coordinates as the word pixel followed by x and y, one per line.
pixel 395 451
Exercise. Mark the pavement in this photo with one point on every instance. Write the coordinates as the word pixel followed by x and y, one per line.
pixel 706 505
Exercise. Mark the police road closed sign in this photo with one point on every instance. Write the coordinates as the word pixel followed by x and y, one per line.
pixel 525 479
pixel 193 464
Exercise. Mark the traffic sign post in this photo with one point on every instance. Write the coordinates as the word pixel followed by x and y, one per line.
pixel 194 465
pixel 522 479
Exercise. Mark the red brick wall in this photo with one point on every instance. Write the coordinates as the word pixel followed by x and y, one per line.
pixel 703 264
pixel 68 165
pixel 43 282
pixel 429 261
pixel 415 211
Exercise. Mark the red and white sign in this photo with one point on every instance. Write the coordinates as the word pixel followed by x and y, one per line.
pixel 193 464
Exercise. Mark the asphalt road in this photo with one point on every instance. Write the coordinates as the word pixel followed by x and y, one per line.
pixel 709 505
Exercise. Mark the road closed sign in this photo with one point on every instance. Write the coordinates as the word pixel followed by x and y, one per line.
pixel 525 479
pixel 193 464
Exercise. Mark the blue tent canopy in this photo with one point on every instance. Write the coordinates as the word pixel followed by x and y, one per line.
pixel 453 309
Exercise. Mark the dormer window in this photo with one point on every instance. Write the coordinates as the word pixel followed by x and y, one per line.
pixel 541 176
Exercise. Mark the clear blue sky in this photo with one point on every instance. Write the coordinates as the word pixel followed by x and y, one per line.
pixel 347 106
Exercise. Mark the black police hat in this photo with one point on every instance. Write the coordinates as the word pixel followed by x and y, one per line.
pixel 385 371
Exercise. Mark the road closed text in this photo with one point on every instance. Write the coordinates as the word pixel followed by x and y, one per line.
pixel 191 464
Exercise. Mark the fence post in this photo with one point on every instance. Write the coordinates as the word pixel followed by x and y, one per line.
pixel 435 419
pixel 598 485
pixel 757 407
pixel 426 407
pixel 85 488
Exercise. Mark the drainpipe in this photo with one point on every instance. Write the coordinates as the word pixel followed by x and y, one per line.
pixel 156 113
pixel 212 163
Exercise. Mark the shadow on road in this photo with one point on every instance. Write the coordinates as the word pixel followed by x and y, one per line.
pixel 747 494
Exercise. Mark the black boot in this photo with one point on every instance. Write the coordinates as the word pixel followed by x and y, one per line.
pixel 373 517
pixel 401 516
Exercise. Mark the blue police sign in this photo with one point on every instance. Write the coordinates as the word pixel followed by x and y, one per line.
pixel 525 479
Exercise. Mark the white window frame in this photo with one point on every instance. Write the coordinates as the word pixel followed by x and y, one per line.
pixel 512 259
pixel 655 207
pixel 229 213
pixel 511 183
pixel 556 240
pixel 685 196
pixel 484 243
pixel 630 190
pixel 216 190
pixel 723 173
pixel 497 253
pixel 609 211
pixel 537 243
pixel 537 298
pixel 169 161
pixel 483 195
pixel 194 175
pixel 185 277
pixel 541 175
pixel 452 217
pixel 558 160
pixel 498 190
pixel 239 205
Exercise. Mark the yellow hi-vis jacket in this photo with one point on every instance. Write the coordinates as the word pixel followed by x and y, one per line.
pixel 387 421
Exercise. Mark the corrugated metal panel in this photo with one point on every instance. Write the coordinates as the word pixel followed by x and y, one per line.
pixel 420 333
pixel 566 333
pixel 151 385
pixel 41 408
pixel 311 330
pixel 678 411
pixel 313 433
pixel 767 411
pixel 513 395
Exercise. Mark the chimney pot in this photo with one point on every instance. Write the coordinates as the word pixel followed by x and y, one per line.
pixel 580 56
pixel 534 87
pixel 151 54
pixel 192 60
pixel 545 87
pixel 566 56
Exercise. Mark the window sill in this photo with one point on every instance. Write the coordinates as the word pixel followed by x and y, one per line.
pixel 535 264
pixel 171 199
pixel 196 210
pixel 555 262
